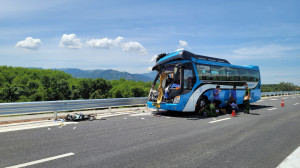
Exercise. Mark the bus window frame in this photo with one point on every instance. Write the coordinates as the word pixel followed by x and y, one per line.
pixel 242 77
pixel 238 77
pixel 207 76
pixel 189 66
pixel 256 76
pixel 235 76
pixel 218 77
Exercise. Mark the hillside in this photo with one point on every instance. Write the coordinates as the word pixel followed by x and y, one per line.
pixel 109 74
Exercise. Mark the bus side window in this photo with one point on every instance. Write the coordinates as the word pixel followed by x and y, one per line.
pixel 254 76
pixel 214 75
pixel 236 75
pixel 244 74
pixel 232 74
pixel 203 72
pixel 218 73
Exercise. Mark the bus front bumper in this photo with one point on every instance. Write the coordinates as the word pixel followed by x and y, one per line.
pixel 164 106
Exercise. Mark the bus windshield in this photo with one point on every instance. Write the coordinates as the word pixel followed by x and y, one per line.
pixel 174 79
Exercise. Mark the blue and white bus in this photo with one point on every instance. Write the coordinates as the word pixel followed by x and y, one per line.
pixel 186 81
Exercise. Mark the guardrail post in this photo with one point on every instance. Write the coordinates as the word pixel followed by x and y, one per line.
pixel 55 115
pixel 109 109
pixel 55 110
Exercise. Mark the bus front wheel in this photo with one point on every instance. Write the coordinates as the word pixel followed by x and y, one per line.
pixel 202 101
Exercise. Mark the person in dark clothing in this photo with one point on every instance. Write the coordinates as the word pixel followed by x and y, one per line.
pixel 216 93
pixel 233 93
pixel 209 110
pixel 231 105
pixel 247 99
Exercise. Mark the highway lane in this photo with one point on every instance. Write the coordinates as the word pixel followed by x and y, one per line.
pixel 263 138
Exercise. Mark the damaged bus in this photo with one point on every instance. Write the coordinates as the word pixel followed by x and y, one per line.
pixel 186 81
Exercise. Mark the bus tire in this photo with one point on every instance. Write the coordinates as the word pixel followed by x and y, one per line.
pixel 202 101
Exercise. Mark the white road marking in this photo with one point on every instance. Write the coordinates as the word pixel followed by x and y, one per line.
pixel 260 100
pixel 31 125
pixel 273 99
pixel 42 160
pixel 140 114
pixel 295 104
pixel 285 98
pixel 292 160
pixel 272 108
pixel 220 120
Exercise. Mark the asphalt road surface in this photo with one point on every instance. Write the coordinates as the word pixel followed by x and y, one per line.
pixel 263 138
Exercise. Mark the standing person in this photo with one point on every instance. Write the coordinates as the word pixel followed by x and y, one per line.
pixel 233 94
pixel 246 99
pixel 217 96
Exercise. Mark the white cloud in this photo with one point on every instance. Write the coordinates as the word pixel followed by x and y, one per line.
pixel 115 43
pixel 104 43
pixel 183 44
pixel 29 43
pixel 70 41
pixel 134 47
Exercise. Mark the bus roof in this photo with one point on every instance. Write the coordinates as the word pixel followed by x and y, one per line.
pixel 185 55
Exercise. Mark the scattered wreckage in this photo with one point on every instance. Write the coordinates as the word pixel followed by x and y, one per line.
pixel 79 117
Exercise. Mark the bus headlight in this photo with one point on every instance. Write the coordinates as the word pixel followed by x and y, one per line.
pixel 176 100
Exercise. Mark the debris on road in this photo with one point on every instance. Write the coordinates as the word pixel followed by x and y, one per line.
pixel 79 117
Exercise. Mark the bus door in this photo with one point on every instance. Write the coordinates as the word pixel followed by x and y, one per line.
pixel 189 78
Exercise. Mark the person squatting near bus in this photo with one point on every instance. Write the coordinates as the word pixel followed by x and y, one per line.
pixel 247 99
pixel 209 110
pixel 231 105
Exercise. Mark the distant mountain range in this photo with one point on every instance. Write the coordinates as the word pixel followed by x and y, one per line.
pixel 109 74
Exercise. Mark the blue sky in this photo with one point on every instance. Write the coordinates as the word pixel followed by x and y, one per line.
pixel 126 35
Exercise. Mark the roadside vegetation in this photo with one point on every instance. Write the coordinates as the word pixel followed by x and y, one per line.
pixel 282 86
pixel 26 85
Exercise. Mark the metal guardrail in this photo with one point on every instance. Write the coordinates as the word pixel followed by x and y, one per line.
pixel 69 105
pixel 268 94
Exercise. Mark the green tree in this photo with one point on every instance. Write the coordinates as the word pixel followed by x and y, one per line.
pixel 138 91
pixel 84 88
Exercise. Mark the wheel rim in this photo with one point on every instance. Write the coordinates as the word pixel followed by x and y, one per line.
pixel 202 103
